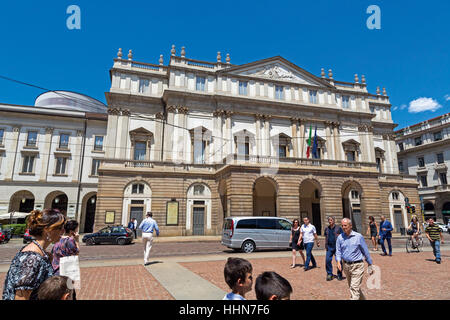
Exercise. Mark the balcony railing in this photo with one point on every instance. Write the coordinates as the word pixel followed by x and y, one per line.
pixel 234 159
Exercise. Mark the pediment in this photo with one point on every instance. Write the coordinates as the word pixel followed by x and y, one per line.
pixel 278 69
pixel 141 132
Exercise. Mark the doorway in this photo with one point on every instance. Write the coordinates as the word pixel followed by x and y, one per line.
pixel 198 219
pixel 90 214
pixel 137 212
pixel 316 221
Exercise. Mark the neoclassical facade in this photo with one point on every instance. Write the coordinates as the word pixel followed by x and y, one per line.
pixel 50 153
pixel 195 141
pixel 424 151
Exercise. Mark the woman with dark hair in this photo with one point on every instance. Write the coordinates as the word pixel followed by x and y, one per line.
pixel 32 264
pixel 295 234
pixel 414 230
pixel 68 245
pixel 373 231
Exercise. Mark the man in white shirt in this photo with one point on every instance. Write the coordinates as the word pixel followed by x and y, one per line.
pixel 308 234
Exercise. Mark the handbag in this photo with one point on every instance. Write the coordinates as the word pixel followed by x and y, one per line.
pixel 70 267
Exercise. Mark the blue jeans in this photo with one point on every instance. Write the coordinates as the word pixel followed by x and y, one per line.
pixel 309 255
pixel 436 245
pixel 328 259
pixel 389 244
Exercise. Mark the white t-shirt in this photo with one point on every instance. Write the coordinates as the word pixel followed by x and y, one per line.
pixel 308 233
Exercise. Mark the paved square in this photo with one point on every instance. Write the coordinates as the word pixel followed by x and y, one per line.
pixel 403 276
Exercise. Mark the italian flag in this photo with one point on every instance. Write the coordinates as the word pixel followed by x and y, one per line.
pixel 308 151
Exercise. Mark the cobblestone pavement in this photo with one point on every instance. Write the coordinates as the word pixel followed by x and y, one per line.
pixel 159 249
pixel 117 283
pixel 403 276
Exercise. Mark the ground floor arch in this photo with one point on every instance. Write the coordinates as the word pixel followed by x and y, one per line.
pixel 198 209
pixel 310 194
pixel 265 197
pixel 352 202
pixel 56 200
pixel 88 208
pixel 22 201
pixel 446 212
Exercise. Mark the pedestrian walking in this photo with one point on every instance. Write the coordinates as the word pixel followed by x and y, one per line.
pixel 436 238
pixel 295 235
pixel 135 226
pixel 332 232
pixel 32 264
pixel 372 231
pixel 308 234
pixel 131 226
pixel 385 234
pixel 351 248
pixel 148 226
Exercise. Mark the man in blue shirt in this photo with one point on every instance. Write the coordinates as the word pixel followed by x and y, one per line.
pixel 332 232
pixel 385 233
pixel 351 248
pixel 148 226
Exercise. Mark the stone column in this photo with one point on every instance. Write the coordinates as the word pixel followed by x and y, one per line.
pixel 9 173
pixel 168 134
pixel 329 142
pixel 371 144
pixel 393 149
pixel 217 140
pixel 337 141
pixel 76 158
pixel 362 134
pixel 229 132
pixel 302 138
pixel 46 153
pixel 111 133
pixel 258 118
pixel 294 127
pixel 267 134
pixel 181 137
pixel 122 134
pixel 158 137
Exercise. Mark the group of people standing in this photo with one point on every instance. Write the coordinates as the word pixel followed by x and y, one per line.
pixel 34 271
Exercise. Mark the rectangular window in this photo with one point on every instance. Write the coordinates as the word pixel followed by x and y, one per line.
pixel 200 83
pixel 421 162
pixel 418 141
pixel 423 180
pixel 61 165
pixel 350 156
pixel 345 102
pixel 378 164
pixel 95 165
pixel 440 158
pixel 243 87
pixel 32 138
pixel 28 163
pixel 137 188
pixel 400 166
pixel 437 136
pixel 443 176
pixel 282 151
pixel 279 92
pixel 199 151
pixel 140 150
pixel 98 146
pixel 313 96
pixel 64 141
pixel 2 133
pixel 144 86
pixel 401 146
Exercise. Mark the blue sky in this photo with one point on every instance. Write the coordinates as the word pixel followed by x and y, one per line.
pixel 409 55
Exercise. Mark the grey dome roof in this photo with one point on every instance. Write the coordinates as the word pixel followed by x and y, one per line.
pixel 67 100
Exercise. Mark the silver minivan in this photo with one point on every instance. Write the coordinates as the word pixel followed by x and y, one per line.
pixel 249 233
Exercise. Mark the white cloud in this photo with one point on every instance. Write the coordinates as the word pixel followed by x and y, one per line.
pixel 403 107
pixel 395 108
pixel 423 104
pixel 447 97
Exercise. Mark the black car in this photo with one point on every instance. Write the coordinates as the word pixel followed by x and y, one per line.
pixel 112 235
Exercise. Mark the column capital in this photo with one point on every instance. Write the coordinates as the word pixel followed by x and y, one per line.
pixel 113 111
pixel 125 112
pixel 218 113
pixel 171 108
pixel 49 130
pixel 294 120
pixel 16 128
pixel 183 110
pixel 228 113
pixel 267 117
pixel 159 115
pixel 259 116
